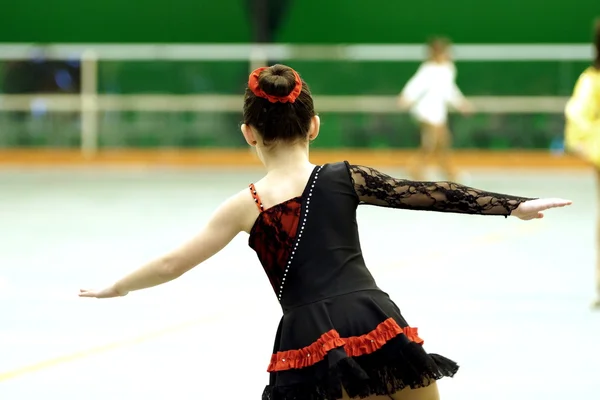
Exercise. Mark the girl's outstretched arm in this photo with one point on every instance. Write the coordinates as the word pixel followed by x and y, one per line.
pixel 228 220
pixel 379 189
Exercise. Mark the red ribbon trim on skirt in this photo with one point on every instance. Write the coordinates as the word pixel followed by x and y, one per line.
pixel 354 346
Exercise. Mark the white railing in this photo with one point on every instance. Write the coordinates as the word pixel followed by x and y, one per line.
pixel 89 103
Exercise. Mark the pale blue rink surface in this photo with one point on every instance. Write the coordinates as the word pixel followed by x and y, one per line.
pixel 507 299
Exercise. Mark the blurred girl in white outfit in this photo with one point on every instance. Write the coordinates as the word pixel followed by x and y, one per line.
pixel 428 94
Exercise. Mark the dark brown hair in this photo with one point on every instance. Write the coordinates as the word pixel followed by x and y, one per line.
pixel 438 42
pixel 286 122
pixel 597 43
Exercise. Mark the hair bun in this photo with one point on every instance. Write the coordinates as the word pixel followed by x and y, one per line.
pixel 278 80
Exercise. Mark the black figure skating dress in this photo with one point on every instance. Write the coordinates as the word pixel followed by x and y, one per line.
pixel 338 328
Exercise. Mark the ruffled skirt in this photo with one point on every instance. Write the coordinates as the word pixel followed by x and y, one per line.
pixel 359 341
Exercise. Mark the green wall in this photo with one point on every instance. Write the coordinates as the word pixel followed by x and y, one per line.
pixel 118 21
pixel 465 21
pixel 309 21
pixel 173 130
pixel 547 78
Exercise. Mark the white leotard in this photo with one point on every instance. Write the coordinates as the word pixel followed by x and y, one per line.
pixel 430 90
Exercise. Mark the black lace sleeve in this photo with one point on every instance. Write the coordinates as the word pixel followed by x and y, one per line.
pixel 376 188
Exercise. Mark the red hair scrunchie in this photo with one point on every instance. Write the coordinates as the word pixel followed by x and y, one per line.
pixel 253 86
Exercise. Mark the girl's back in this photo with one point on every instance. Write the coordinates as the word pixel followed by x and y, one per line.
pixel 309 245
pixel 339 336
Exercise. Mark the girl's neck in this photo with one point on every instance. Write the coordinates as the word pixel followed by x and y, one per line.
pixel 285 158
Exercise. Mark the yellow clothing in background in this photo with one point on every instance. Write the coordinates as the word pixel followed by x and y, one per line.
pixel 582 135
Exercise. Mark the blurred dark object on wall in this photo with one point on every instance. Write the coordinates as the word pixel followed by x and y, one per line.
pixel 40 75
pixel 267 16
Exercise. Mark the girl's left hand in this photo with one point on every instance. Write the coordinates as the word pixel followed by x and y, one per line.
pixel 101 294
pixel 403 103
pixel 533 209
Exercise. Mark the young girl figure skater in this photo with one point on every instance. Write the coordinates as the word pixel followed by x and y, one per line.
pixel 427 94
pixel 582 134
pixel 340 336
